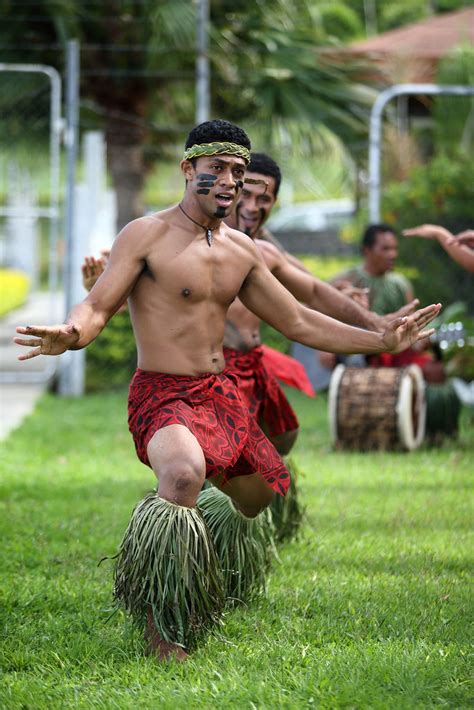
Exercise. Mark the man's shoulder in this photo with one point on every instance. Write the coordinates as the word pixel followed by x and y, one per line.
pixel 271 254
pixel 266 247
pixel 244 248
pixel 156 222
pixel 265 234
pixel 353 272
pixel 147 228
pixel 239 238
pixel 399 279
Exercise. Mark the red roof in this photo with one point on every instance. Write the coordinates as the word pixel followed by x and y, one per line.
pixel 432 38
pixel 412 52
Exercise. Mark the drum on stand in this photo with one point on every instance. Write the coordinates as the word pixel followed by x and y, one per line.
pixel 377 408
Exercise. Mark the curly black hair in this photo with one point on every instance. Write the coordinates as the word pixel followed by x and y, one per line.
pixel 370 235
pixel 264 165
pixel 218 130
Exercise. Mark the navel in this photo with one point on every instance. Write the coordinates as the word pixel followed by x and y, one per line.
pixel 186 292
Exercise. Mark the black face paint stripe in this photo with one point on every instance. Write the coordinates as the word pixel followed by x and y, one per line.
pixel 220 212
pixel 260 221
pixel 207 176
pixel 255 181
pixel 205 181
pixel 237 214
pixel 239 184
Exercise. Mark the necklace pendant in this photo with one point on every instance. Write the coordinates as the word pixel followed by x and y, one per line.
pixel 209 236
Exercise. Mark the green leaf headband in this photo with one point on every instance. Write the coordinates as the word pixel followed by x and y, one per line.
pixel 197 150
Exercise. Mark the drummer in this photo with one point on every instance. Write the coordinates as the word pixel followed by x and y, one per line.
pixel 386 290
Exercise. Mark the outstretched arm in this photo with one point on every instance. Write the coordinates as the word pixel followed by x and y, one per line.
pixel 87 319
pixel 269 300
pixel 322 296
pixel 456 247
pixel 92 268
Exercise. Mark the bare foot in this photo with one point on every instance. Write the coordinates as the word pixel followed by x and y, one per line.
pixel 156 646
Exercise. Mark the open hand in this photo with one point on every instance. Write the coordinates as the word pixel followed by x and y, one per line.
pixel 466 237
pixel 383 322
pixel 91 269
pixel 359 295
pixel 403 332
pixel 47 340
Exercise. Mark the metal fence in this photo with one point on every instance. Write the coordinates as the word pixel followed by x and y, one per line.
pixel 30 156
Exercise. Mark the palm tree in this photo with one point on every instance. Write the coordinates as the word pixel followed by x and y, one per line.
pixel 267 72
pixel 130 52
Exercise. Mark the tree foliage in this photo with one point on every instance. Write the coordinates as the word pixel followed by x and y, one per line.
pixel 269 70
pixel 137 71
pixel 454 116
pixel 441 192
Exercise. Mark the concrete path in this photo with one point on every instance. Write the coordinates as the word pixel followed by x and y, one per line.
pixel 18 390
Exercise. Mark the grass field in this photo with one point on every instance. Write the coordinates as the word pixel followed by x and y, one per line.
pixel 370 608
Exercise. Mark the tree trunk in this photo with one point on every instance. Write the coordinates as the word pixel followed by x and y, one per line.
pixel 127 167
pixel 126 134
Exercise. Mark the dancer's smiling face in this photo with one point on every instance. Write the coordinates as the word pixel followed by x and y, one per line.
pixel 215 182
pixel 255 204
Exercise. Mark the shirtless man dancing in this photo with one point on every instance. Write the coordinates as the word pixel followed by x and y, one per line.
pixel 242 342
pixel 181 269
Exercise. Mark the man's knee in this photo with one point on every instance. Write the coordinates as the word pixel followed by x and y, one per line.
pixel 180 481
pixel 253 500
pixel 179 464
pixel 252 510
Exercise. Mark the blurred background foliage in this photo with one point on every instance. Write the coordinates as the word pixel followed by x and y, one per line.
pixel 269 65
pixel 272 73
pixel 14 287
pixel 137 75
pixel 112 358
pixel 441 192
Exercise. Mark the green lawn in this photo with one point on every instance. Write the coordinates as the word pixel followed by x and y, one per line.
pixel 369 609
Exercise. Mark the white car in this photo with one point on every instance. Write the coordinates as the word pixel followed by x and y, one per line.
pixel 312 216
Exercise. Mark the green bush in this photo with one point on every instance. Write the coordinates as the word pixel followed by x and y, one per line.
pixel 340 22
pixel 454 116
pixel 14 287
pixel 111 359
pixel 441 192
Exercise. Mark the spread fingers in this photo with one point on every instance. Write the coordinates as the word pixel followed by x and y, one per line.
pixel 27 343
pixel 30 354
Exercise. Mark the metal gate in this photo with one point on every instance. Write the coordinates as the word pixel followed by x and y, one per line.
pixel 375 134
pixel 30 165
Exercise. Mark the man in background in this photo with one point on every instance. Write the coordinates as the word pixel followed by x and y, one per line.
pixel 387 290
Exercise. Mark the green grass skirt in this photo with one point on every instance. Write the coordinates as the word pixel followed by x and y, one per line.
pixel 167 563
pixel 286 511
pixel 245 546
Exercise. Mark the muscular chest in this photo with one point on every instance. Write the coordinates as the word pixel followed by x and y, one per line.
pixel 199 273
